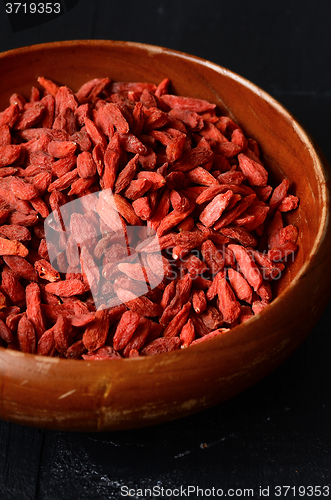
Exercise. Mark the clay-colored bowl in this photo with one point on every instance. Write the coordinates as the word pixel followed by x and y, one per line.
pixel 80 395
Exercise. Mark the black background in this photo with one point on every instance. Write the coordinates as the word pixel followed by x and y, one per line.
pixel 277 432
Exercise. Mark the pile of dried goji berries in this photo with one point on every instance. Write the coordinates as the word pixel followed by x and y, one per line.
pixel 172 165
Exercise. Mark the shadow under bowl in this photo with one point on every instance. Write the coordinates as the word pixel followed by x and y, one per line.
pixel 98 396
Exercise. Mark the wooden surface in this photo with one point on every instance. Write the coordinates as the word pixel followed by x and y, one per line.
pixel 277 432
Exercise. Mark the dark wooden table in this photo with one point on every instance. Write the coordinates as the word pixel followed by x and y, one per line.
pixel 277 433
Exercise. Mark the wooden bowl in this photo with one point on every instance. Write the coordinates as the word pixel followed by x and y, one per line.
pixel 88 396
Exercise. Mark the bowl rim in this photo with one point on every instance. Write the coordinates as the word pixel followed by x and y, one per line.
pixel 320 169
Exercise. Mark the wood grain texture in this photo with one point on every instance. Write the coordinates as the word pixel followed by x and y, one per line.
pixel 20 460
